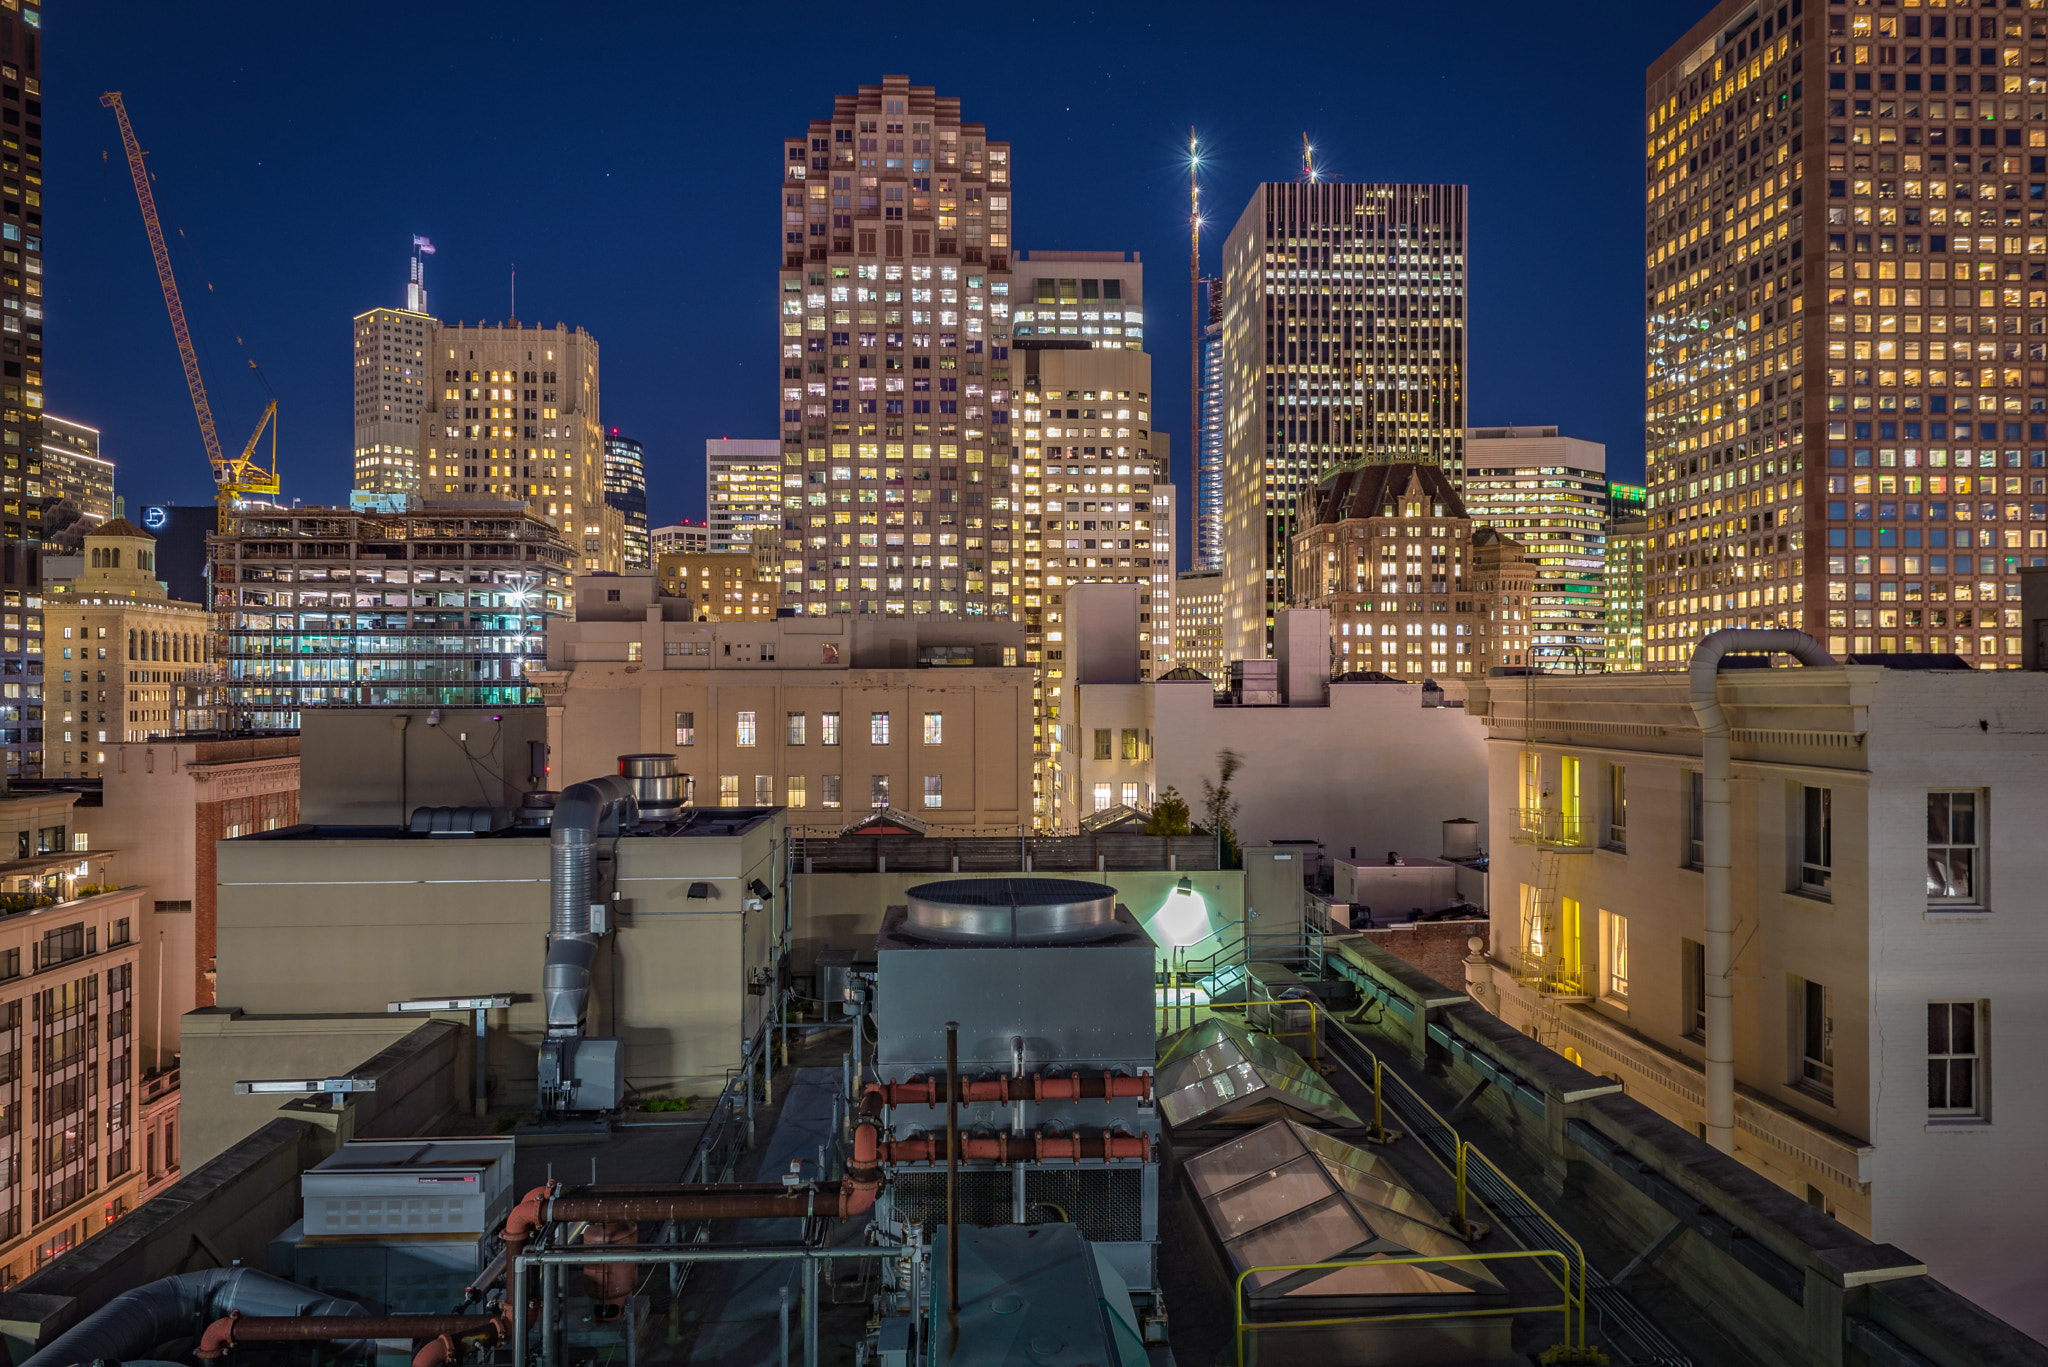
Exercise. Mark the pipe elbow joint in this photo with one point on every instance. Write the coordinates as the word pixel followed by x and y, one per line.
pixel 218 1338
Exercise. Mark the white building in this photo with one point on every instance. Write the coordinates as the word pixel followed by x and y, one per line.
pixel 1370 766
pixel 742 490
pixel 1549 492
pixel 1890 903
pixel 678 537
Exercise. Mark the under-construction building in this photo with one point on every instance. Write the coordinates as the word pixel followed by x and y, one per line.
pixel 335 607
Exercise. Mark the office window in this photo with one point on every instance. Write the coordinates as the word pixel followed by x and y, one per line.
pixel 1614 957
pixel 744 729
pixel 1955 1053
pixel 934 728
pixel 1952 848
pixel 764 790
pixel 1814 1024
pixel 686 728
pixel 934 793
pixel 1692 1019
pixel 796 791
pixel 796 728
pixel 1617 807
pixel 828 728
pixel 1571 945
pixel 878 728
pixel 1696 821
pixel 878 791
pixel 1130 795
pixel 1130 743
pixel 729 790
pixel 828 795
pixel 1816 839
pixel 1102 798
pixel 1532 782
pixel 1102 744
pixel 1569 807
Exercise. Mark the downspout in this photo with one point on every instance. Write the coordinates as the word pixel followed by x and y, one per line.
pixel 1716 855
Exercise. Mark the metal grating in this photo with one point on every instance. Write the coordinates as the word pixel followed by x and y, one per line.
pixel 1105 1203
pixel 919 1197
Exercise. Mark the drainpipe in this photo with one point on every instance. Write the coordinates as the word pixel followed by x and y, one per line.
pixel 1716 857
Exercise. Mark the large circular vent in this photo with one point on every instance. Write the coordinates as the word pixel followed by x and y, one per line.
pixel 1012 910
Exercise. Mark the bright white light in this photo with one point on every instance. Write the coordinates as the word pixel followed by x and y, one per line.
pixel 1183 919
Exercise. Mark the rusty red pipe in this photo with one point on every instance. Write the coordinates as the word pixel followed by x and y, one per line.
pixel 225 1333
pixel 1011 1148
pixel 1035 1087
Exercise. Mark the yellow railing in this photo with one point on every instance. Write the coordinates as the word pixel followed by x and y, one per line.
pixel 1548 826
pixel 1314 1031
pixel 1574 1310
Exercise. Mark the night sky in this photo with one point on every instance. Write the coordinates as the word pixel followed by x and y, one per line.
pixel 627 159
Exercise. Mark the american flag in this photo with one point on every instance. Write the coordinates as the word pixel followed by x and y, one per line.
pixel 422 246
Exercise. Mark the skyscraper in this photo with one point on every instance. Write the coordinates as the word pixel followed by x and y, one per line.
pixel 742 490
pixel 392 347
pixel 1208 453
pixel 1549 493
pixel 21 265
pixel 625 488
pixel 1844 265
pixel 513 414
pixel 1088 450
pixel 78 482
pixel 894 353
pixel 1343 345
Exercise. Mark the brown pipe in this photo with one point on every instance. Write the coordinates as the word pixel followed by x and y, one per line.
pixel 707 1201
pixel 236 1327
pixel 1036 1087
pixel 1012 1148
pixel 610 1283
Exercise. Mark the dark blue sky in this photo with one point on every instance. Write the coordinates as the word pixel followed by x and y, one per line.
pixel 627 157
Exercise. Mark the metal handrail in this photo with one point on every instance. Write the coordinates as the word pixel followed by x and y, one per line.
pixel 1567 1306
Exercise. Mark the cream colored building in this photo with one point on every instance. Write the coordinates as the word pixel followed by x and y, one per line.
pixel 830 716
pixel 71 994
pixel 1889 923
pixel 742 493
pixel 322 927
pixel 1198 609
pixel 728 586
pixel 1504 577
pixel 121 660
pixel 513 413
pixel 393 350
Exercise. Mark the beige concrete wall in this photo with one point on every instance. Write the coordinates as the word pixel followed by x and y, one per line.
pixel 983 762
pixel 1374 769
pixel 332 929
pixel 845 910
pixel 375 766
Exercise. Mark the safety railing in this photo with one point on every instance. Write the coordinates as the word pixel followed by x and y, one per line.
pixel 1548 826
pixel 1573 1310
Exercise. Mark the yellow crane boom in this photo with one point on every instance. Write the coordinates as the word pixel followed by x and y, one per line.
pixel 240 474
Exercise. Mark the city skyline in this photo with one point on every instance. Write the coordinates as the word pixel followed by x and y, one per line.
pixel 297 277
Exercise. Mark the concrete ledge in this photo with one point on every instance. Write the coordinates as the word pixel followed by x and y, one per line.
pixel 1946 1330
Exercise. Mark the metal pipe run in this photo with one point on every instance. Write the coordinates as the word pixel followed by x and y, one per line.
pixel 1716 856
pixel 442 1330
pixel 1015 1148
pixel 1034 1087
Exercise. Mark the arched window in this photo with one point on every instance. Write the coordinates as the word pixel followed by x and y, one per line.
pixel 115 553
pixel 131 643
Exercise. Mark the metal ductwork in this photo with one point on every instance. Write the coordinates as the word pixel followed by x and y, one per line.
pixel 584 814
pixel 1716 854
pixel 127 1327
pixel 657 787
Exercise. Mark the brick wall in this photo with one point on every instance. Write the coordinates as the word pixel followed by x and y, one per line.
pixel 1436 947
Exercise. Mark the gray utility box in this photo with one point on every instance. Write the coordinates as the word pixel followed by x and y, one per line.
pixel 399 1188
pixel 595 1073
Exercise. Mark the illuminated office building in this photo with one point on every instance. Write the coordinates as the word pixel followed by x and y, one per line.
pixel 894 313
pixel 1209 440
pixel 625 488
pixel 1846 258
pixel 1343 346
pixel 78 482
pixel 742 491
pixel 1549 493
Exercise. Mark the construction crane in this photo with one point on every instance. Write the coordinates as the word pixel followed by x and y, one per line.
pixel 240 476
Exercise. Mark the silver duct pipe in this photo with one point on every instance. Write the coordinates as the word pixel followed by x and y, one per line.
pixel 127 1327
pixel 1716 853
pixel 585 813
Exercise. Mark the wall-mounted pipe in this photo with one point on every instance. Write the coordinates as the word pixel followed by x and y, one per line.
pixel 1717 855
pixel 1035 1087
pixel 441 1331
pixel 1016 1148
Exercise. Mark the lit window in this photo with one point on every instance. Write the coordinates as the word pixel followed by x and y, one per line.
pixel 1131 795
pixel 764 790
pixel 933 791
pixel 878 791
pixel 1952 836
pixel 1614 956
pixel 686 728
pixel 829 795
pixel 796 791
pixel 1102 799
pixel 729 790
pixel 878 728
pixel 934 729
pixel 745 734
pixel 828 730
pixel 796 728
